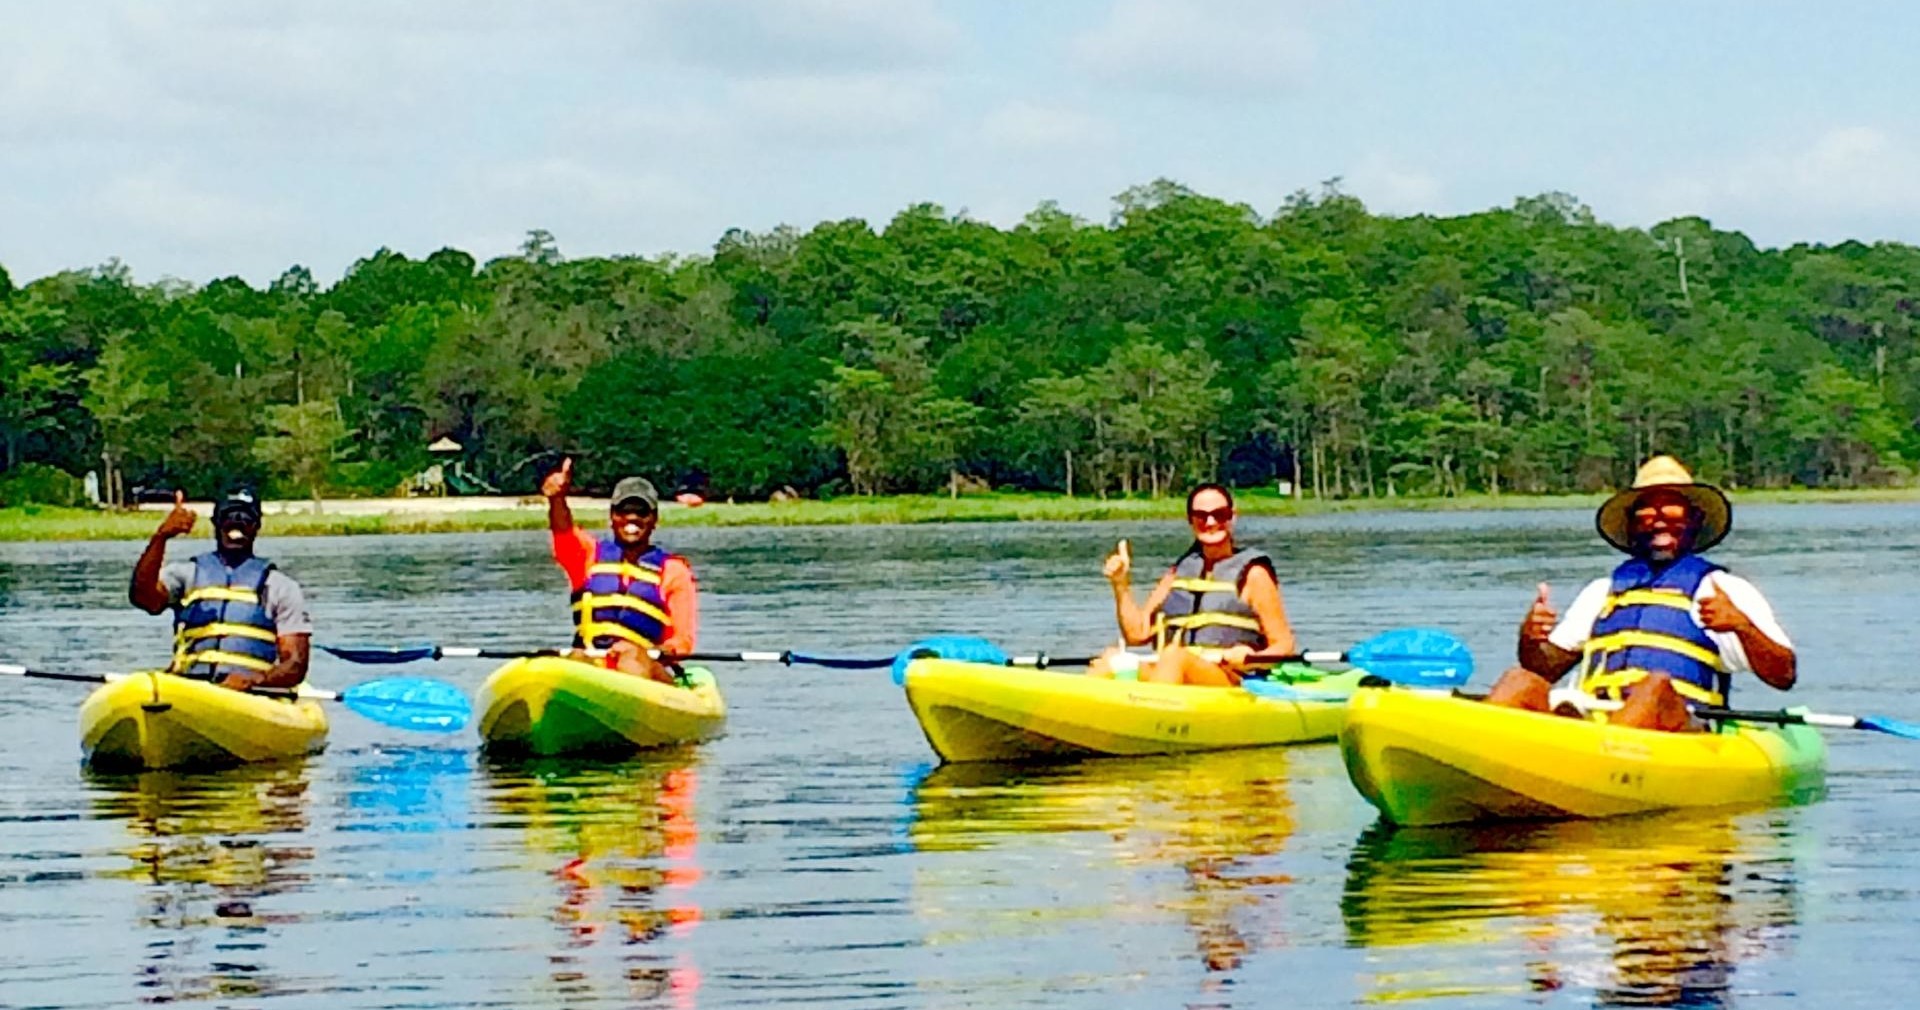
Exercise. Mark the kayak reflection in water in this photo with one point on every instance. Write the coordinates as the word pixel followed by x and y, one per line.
pixel 237 619
pixel 1218 604
pixel 630 597
pixel 1667 628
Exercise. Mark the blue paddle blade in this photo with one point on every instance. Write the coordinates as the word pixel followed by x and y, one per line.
pixel 1881 723
pixel 961 647
pixel 429 706
pixel 1421 657
pixel 380 655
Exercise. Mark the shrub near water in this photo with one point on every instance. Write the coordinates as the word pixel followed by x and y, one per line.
pixel 39 484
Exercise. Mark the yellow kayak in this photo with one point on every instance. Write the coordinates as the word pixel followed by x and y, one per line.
pixel 156 720
pixel 549 705
pixel 1427 758
pixel 986 712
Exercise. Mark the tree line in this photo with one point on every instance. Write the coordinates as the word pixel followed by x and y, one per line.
pixel 1531 348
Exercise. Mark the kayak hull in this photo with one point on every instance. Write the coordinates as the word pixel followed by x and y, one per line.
pixel 549 706
pixel 1425 759
pixel 149 721
pixel 984 712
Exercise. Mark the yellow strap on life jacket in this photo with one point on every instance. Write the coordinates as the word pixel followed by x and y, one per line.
pixel 1654 640
pixel 1210 620
pixel 590 601
pixel 1647 598
pixel 226 594
pixel 1197 586
pixel 219 657
pixel 633 573
pixel 220 629
pixel 1612 684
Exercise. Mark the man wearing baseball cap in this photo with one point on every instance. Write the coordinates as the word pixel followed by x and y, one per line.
pixel 1668 627
pixel 631 598
pixel 237 619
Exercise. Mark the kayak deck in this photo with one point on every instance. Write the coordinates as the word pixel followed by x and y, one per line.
pixel 985 712
pixel 154 720
pixel 547 706
pixel 1424 759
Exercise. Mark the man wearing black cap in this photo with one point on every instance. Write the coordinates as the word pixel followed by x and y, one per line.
pixel 631 598
pixel 237 619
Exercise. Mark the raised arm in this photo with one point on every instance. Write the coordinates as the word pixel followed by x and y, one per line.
pixel 1536 652
pixel 555 488
pixel 145 590
pixel 1136 621
pixel 1772 661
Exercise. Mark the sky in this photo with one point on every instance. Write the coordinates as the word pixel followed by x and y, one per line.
pixel 196 139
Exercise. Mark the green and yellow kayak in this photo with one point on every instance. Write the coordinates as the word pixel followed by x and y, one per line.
pixel 549 706
pixel 145 721
pixel 1427 758
pixel 986 712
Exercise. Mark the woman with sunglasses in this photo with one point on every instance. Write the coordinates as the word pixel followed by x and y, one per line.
pixel 1218 604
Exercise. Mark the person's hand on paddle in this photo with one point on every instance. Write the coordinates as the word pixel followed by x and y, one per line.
pixel 559 482
pixel 1719 613
pixel 1235 658
pixel 240 680
pixel 1540 619
pixel 1119 569
pixel 178 521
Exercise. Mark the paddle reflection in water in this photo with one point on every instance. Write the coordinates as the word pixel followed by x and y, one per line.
pixel 621 844
pixel 211 852
pixel 1200 832
pixel 1645 911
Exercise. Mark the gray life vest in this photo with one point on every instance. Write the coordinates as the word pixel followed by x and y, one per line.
pixel 1205 609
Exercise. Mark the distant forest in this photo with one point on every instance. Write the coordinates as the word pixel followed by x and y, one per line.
pixel 1529 349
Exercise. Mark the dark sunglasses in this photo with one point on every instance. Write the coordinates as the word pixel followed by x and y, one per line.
pixel 1221 515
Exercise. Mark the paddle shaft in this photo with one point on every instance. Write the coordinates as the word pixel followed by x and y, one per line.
pixel 1041 660
pixel 303 691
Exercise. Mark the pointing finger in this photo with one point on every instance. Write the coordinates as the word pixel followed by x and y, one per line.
pixel 1126 552
pixel 179 499
pixel 566 466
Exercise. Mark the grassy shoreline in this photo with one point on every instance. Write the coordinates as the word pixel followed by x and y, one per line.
pixel 36 523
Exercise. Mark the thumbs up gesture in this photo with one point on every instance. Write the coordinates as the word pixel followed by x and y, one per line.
pixel 178 521
pixel 1119 568
pixel 1718 613
pixel 1540 619
pixel 559 482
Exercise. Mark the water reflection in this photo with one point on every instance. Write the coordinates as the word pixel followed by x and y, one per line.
pixel 1209 824
pixel 211 851
pixel 621 845
pixel 1657 911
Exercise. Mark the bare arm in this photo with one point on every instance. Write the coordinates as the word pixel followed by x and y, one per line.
pixel 145 590
pixel 1536 653
pixel 1136 621
pixel 555 488
pixel 1773 663
pixel 1262 592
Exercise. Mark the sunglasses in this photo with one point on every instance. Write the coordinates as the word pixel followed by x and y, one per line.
pixel 1202 517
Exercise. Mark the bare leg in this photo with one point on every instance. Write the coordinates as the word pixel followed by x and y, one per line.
pixel 1178 665
pixel 1654 704
pixel 631 659
pixel 1522 688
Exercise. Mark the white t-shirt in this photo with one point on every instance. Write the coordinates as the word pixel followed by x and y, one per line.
pixel 1576 625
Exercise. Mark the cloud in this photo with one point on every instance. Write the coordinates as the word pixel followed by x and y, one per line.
pixel 1025 126
pixel 162 202
pixel 1221 48
pixel 830 110
pixel 1847 179
pixel 1388 188
pixel 575 185
pixel 759 38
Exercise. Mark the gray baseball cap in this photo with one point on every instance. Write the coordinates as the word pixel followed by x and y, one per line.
pixel 636 488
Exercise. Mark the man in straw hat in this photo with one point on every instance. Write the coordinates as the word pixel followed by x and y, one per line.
pixel 1668 627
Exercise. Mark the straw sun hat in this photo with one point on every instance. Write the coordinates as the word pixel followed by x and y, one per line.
pixel 1615 518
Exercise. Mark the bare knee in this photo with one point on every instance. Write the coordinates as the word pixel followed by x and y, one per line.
pixel 1522 688
pixel 1653 703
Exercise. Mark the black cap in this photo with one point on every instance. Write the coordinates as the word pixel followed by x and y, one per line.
pixel 240 502
pixel 636 489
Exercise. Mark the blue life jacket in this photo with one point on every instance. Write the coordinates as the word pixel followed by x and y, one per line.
pixel 622 601
pixel 1205 609
pixel 221 624
pixel 1647 626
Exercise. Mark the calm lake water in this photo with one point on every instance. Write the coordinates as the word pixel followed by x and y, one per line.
pixel 815 854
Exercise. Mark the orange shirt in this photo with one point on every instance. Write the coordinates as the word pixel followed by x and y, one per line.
pixel 574 551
